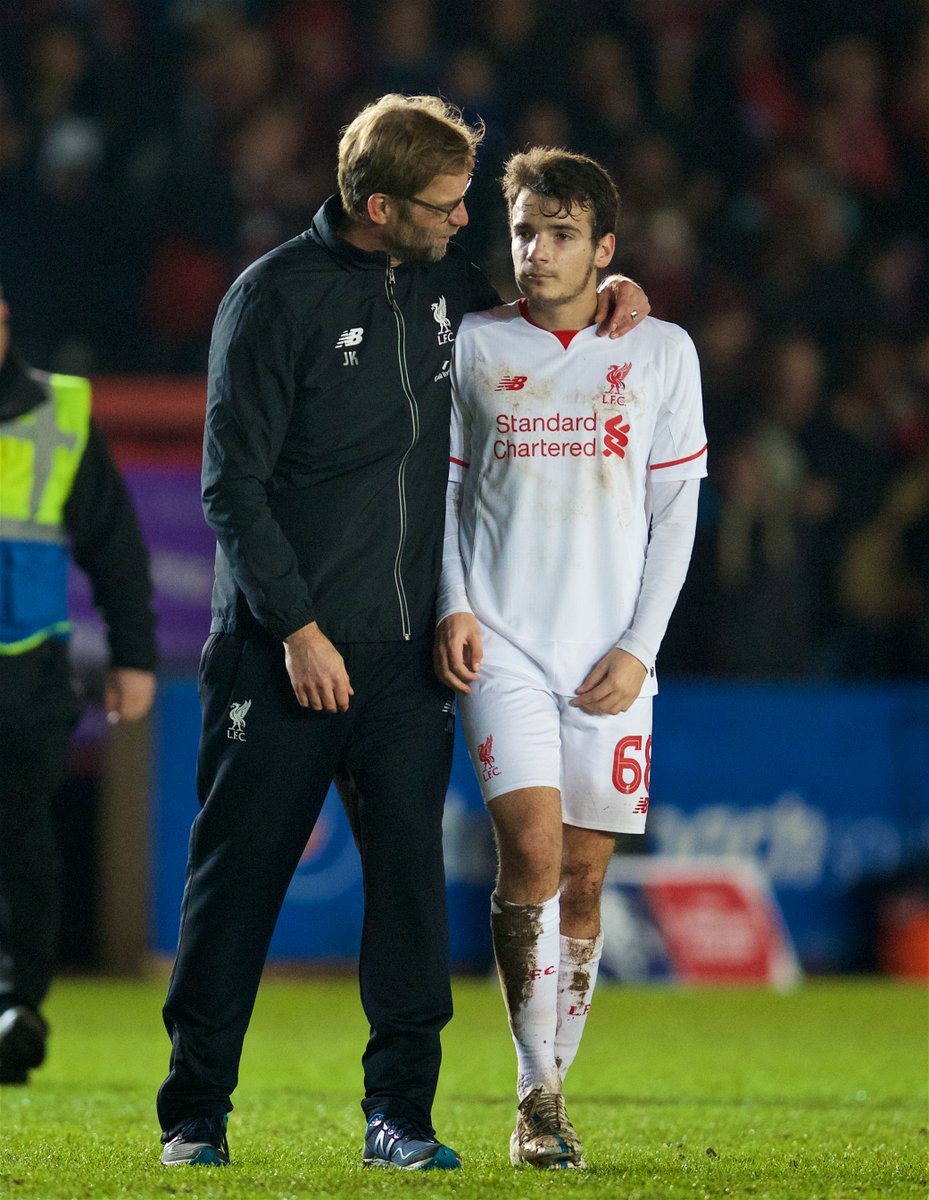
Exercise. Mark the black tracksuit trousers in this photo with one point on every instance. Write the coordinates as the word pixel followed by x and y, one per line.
pixel 262 780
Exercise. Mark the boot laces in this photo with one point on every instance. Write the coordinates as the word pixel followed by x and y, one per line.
pixel 545 1111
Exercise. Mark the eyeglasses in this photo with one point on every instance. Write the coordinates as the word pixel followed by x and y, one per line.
pixel 444 210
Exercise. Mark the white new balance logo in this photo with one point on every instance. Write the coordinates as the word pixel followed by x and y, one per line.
pixel 350 337
pixel 383 1146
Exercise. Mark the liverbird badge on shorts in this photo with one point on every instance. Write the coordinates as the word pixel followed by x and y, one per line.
pixel 485 754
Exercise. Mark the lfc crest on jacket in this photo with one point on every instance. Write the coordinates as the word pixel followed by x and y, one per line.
pixel 440 316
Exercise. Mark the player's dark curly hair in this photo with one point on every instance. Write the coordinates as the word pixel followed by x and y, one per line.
pixel 570 180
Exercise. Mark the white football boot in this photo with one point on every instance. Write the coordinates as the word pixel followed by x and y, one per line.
pixel 544 1137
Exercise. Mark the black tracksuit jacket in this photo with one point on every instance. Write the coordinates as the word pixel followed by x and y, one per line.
pixel 326 442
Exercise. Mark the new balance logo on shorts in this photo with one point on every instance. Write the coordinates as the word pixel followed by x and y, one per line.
pixel 641 806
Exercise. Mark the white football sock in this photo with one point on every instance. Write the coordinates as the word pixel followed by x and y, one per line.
pixel 526 947
pixel 577 978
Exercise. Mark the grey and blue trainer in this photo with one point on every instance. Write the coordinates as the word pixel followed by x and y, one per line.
pixel 393 1142
pixel 197 1143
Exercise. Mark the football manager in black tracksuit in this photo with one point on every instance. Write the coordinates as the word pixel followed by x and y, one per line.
pixel 324 473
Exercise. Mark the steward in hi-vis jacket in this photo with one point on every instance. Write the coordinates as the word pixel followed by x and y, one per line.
pixel 61 497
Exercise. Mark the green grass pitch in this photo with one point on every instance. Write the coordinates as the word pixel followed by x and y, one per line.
pixel 820 1092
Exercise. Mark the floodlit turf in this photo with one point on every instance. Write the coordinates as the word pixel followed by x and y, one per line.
pixel 817 1093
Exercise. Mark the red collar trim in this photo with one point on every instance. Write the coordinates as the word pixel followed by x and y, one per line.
pixel 563 335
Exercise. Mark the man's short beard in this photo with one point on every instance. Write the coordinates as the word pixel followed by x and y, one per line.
pixel 422 249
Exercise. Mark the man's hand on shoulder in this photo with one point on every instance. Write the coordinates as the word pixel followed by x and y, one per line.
pixel 317 670
pixel 458 651
pixel 612 684
pixel 621 305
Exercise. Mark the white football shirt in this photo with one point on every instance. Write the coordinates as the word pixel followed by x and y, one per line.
pixel 556 448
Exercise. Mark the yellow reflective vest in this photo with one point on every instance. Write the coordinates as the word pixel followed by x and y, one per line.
pixel 40 452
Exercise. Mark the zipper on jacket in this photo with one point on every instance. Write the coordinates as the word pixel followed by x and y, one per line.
pixel 401 474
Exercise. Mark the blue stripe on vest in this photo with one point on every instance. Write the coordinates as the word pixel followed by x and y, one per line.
pixel 39 599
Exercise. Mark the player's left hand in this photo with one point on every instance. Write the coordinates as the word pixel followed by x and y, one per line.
pixel 612 684
pixel 621 305
pixel 458 651
pixel 127 694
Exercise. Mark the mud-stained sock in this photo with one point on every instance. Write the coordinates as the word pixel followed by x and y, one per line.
pixel 577 978
pixel 526 948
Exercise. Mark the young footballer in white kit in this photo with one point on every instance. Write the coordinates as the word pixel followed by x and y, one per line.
pixel 572 504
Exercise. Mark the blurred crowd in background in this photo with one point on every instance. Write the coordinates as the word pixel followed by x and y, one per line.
pixel 773 161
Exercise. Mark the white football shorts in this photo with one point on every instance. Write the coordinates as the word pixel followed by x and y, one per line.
pixel 521 734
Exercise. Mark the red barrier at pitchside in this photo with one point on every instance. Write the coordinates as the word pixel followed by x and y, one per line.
pixel 151 420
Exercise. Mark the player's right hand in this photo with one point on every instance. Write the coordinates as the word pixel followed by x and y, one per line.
pixel 317 670
pixel 612 684
pixel 458 651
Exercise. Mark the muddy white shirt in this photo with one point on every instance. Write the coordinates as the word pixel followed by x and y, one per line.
pixel 563 459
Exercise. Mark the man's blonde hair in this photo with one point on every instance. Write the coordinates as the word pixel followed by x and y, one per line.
pixel 398 145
